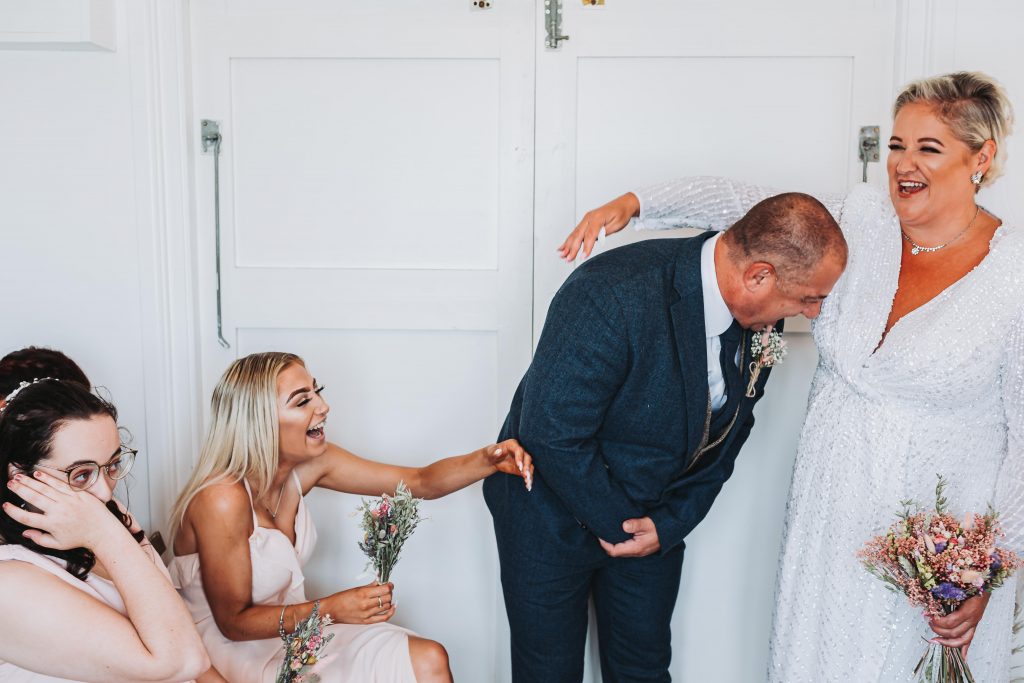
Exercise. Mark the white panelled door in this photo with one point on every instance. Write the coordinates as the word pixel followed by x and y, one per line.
pixel 767 92
pixel 376 217
pixel 395 178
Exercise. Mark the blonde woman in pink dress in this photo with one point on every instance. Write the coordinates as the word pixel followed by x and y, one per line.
pixel 85 597
pixel 242 532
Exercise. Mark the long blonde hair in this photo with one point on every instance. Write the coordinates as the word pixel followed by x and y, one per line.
pixel 242 442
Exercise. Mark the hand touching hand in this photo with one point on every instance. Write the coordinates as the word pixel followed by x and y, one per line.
pixel 957 629
pixel 510 457
pixel 644 542
pixel 613 216
pixel 65 519
pixel 370 604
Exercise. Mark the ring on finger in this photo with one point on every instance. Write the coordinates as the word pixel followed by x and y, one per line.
pixel 380 605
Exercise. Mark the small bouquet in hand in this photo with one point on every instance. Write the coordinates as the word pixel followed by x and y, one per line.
pixel 938 562
pixel 387 524
pixel 303 646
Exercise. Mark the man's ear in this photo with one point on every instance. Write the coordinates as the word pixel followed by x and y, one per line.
pixel 758 275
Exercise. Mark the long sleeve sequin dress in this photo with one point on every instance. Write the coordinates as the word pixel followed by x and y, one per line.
pixel 944 394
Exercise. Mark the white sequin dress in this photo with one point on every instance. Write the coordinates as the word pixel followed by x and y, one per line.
pixel 943 395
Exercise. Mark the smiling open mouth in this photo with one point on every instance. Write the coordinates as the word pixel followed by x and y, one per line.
pixel 317 432
pixel 910 187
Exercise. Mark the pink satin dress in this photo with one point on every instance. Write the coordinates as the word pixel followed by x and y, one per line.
pixel 377 653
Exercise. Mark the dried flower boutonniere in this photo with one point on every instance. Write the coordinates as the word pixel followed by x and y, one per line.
pixel 767 348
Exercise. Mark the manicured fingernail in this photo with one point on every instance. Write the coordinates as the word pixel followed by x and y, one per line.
pixel 497 451
pixel 37 474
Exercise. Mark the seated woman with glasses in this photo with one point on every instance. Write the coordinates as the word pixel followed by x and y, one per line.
pixel 242 533
pixel 85 597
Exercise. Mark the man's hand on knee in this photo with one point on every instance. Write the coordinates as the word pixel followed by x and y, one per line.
pixel 644 542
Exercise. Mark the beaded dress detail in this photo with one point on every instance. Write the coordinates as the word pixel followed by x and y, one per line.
pixel 944 394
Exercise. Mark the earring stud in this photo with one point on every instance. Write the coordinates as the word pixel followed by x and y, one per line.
pixel 976 177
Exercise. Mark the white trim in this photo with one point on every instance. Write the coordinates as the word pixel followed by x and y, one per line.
pixel 925 41
pixel 86 25
pixel 161 106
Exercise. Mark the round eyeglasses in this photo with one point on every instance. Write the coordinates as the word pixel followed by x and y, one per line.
pixel 84 474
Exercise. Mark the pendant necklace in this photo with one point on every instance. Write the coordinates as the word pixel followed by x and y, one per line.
pixel 917 248
pixel 280 495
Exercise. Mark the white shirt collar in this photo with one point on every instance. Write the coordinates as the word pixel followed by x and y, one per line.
pixel 717 317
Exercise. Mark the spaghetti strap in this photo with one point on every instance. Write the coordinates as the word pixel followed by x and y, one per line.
pixel 298 484
pixel 252 505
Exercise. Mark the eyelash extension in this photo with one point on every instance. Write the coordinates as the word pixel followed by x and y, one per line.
pixel 316 390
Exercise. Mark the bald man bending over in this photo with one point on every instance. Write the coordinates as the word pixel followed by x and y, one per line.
pixel 635 408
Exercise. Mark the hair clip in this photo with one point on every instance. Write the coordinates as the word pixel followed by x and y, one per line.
pixel 22 385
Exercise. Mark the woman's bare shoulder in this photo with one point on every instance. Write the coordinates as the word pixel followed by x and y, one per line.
pixel 226 501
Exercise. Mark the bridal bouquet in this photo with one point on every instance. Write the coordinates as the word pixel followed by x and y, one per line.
pixel 387 524
pixel 302 647
pixel 938 562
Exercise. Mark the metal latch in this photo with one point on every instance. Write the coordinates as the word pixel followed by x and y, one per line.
pixel 868 148
pixel 553 24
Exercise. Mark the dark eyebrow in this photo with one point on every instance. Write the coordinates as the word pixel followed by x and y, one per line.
pixel 303 390
pixel 896 138
pixel 93 462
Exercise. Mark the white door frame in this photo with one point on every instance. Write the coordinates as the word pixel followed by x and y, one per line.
pixel 164 133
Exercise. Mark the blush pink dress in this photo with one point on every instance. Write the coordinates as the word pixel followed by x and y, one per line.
pixel 99 588
pixel 377 653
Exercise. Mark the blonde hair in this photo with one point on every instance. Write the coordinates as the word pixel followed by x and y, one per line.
pixel 973 105
pixel 242 442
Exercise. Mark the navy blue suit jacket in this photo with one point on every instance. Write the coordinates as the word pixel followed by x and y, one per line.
pixel 613 408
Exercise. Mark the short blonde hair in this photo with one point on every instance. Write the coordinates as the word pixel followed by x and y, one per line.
pixel 973 105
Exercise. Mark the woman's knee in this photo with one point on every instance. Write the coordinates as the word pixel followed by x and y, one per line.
pixel 429 660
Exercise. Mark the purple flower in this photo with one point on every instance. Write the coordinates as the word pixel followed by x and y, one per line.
pixel 997 563
pixel 947 591
pixel 940 546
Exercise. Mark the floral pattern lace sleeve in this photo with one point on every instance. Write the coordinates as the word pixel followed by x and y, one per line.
pixel 1010 485
pixel 706 203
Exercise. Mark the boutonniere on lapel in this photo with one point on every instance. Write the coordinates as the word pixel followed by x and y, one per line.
pixel 767 348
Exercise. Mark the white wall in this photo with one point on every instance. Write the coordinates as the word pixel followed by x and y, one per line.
pixel 69 256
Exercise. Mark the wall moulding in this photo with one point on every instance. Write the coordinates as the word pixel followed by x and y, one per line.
pixel 80 25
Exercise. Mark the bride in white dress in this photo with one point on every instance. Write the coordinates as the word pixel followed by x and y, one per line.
pixel 920 372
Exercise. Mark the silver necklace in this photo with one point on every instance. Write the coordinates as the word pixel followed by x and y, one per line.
pixel 280 495
pixel 917 248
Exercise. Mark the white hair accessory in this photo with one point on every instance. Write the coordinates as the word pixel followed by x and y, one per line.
pixel 10 396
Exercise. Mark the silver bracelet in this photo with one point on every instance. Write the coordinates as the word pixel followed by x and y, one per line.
pixel 280 624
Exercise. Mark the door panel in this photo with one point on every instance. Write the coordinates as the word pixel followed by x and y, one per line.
pixel 376 218
pixel 768 93
pixel 425 131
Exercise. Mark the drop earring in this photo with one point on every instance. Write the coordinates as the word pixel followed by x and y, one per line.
pixel 976 177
